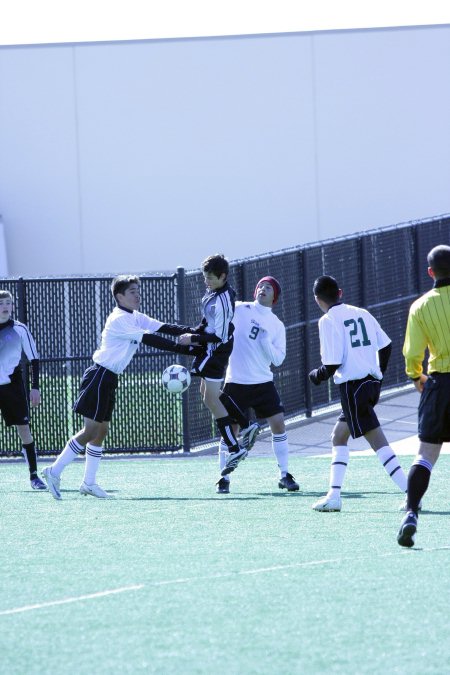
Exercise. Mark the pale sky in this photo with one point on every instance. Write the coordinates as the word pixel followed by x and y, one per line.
pixel 53 21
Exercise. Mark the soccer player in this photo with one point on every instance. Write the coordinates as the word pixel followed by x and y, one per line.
pixel 214 336
pixel 428 327
pixel 124 330
pixel 355 351
pixel 259 341
pixel 16 338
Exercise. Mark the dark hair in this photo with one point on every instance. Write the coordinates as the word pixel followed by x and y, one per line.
pixel 122 282
pixel 439 261
pixel 5 294
pixel 326 288
pixel 216 264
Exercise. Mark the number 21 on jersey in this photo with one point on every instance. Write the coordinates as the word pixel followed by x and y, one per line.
pixel 357 332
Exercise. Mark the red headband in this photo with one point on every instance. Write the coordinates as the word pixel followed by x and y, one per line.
pixel 275 285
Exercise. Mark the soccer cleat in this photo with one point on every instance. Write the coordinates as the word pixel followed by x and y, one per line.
pixel 233 460
pixel 37 484
pixel 404 506
pixel 52 482
pixel 223 486
pixel 94 490
pixel 328 504
pixel 249 435
pixel 408 529
pixel 288 483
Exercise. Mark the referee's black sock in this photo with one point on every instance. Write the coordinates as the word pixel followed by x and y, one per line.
pixel 29 452
pixel 234 410
pixel 418 481
pixel 224 425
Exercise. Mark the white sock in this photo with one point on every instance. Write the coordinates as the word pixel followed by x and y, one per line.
pixel 389 461
pixel 223 456
pixel 339 461
pixel 71 450
pixel 93 457
pixel 280 448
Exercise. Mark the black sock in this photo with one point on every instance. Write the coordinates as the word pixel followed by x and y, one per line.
pixel 233 410
pixel 227 433
pixel 29 452
pixel 418 480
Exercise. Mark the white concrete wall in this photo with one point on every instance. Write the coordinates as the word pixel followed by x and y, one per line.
pixel 147 155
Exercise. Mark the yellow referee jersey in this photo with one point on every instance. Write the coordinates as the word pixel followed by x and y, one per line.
pixel 429 326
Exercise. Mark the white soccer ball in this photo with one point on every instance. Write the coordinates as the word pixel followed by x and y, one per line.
pixel 176 379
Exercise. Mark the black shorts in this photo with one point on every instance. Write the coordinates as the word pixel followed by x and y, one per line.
pixel 212 366
pixel 263 398
pixel 14 401
pixel 358 399
pixel 97 394
pixel 434 409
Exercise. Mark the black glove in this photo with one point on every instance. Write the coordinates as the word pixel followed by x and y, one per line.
pixel 314 377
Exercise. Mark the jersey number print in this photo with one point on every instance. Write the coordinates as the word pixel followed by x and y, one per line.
pixel 254 333
pixel 357 331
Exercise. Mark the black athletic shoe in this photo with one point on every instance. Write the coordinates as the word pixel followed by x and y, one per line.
pixel 288 483
pixel 37 484
pixel 223 487
pixel 233 460
pixel 408 529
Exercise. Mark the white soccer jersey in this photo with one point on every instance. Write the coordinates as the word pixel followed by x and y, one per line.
pixel 121 337
pixel 259 341
pixel 14 338
pixel 351 336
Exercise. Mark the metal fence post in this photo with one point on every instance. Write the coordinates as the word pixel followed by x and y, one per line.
pixel 303 258
pixel 362 271
pixel 181 301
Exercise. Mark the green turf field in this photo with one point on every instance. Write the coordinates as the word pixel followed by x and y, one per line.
pixel 171 578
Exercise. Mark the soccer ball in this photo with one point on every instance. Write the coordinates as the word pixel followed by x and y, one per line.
pixel 176 379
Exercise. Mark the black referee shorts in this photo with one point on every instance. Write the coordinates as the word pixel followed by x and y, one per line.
pixel 97 394
pixel 14 401
pixel 263 398
pixel 434 409
pixel 358 399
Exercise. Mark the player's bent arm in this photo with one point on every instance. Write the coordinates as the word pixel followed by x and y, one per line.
pixel 384 355
pixel 152 340
pixel 323 373
pixel 175 329
pixel 414 347
pixel 275 352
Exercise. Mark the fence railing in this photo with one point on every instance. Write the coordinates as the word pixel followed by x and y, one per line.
pixel 382 270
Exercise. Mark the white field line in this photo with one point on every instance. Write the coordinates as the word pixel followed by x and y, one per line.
pixel 186 580
pixel 79 598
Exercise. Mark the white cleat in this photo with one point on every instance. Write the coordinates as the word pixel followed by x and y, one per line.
pixel 328 504
pixel 52 481
pixel 94 490
pixel 249 435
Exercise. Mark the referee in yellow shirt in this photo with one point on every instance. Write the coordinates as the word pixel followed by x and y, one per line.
pixel 428 327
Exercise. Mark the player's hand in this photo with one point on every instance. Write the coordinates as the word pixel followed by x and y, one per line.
pixel 313 377
pixel 35 397
pixel 185 339
pixel 420 382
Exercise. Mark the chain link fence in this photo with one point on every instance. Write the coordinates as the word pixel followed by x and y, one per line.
pixel 383 270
